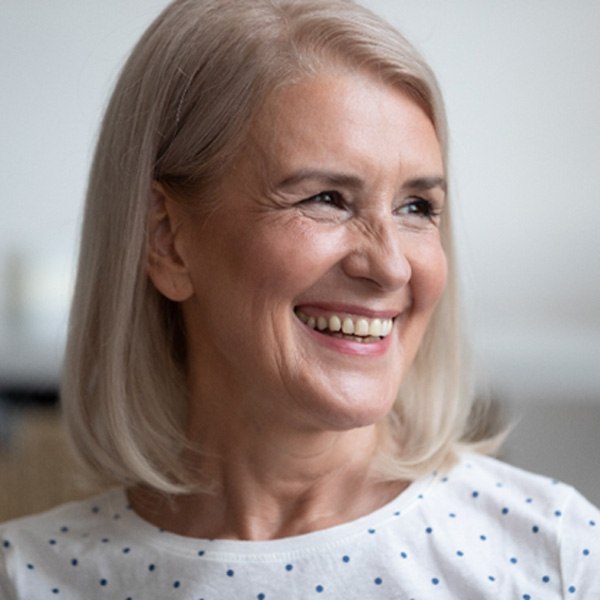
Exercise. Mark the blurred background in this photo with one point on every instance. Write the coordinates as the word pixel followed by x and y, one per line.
pixel 522 86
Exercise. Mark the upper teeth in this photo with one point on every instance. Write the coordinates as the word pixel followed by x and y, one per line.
pixel 359 326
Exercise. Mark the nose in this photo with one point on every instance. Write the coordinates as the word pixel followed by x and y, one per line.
pixel 377 255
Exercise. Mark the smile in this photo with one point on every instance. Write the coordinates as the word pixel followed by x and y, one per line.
pixel 361 329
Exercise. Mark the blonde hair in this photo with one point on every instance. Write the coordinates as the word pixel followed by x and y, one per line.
pixel 178 115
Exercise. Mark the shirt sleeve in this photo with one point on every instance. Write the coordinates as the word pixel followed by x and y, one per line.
pixel 580 548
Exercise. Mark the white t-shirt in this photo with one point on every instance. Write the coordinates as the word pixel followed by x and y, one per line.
pixel 485 530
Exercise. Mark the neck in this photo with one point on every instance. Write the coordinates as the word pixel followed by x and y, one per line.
pixel 271 485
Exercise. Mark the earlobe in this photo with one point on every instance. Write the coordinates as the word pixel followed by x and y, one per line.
pixel 165 263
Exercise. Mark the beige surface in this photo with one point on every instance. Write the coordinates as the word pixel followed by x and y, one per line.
pixel 37 471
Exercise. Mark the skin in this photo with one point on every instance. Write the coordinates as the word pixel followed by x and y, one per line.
pixel 334 206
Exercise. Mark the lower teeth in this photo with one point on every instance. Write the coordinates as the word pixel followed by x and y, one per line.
pixel 355 338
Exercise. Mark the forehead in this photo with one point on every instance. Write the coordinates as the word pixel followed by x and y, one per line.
pixel 346 116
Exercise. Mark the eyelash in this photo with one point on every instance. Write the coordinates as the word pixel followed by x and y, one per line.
pixel 419 207
pixel 336 199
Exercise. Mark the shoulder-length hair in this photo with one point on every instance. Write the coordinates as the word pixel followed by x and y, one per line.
pixel 178 115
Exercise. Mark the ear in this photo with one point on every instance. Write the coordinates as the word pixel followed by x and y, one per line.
pixel 165 263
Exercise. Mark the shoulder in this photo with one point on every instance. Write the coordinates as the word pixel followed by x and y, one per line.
pixel 43 541
pixel 89 513
pixel 488 477
pixel 517 502
pixel 536 512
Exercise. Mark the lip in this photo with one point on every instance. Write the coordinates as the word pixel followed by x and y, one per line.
pixel 346 309
pixel 342 345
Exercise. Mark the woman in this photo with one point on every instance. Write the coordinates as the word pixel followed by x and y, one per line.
pixel 263 348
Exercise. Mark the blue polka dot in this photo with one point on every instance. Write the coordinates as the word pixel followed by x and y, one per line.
pixel 30 566
pixel 52 542
pixel 572 589
pixel 346 558
pixel 378 581
pixel 105 540
pixel 289 567
pixel 586 552
pixel 460 553
pixel 513 560
pixel 545 579
pixel 151 567
pixel 491 578
pixel 397 513
pixel 55 591
pixel 592 523
pixel 176 584
pixel 526 597
pixel 6 544
pixel 557 513
pixel 535 529
pixel 95 510
pixel 475 494
pixel 435 581
pixel 319 589
pixel 103 582
pixel 74 562
pixel 403 555
pixel 429 530
pixel 200 552
pixel 126 550
pixel 505 511
pixel 230 573
pixel 64 529
pixel 260 597
pixel 452 515
pixel 483 537
pixel 371 531
pixel 529 500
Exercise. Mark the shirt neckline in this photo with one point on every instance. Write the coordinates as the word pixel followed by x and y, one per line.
pixel 135 526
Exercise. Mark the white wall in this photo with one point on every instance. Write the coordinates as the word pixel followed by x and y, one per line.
pixel 522 84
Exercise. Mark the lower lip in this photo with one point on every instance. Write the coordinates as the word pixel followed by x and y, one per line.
pixel 345 346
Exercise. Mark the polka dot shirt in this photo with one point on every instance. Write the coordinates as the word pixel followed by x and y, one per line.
pixel 483 530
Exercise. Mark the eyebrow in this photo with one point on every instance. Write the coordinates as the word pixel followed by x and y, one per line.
pixel 353 182
pixel 329 177
pixel 426 183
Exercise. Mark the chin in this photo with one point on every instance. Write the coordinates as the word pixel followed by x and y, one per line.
pixel 356 413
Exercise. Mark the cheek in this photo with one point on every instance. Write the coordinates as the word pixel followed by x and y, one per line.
pixel 292 258
pixel 430 272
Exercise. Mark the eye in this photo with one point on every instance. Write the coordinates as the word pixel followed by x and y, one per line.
pixel 327 198
pixel 420 207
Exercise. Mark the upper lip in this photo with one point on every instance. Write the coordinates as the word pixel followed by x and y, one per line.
pixel 351 309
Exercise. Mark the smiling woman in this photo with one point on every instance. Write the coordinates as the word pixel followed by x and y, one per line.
pixel 264 352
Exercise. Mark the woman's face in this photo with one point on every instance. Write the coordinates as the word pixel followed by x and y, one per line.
pixel 316 275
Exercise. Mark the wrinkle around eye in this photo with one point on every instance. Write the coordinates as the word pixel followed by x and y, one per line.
pixel 420 211
pixel 326 206
pixel 326 198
